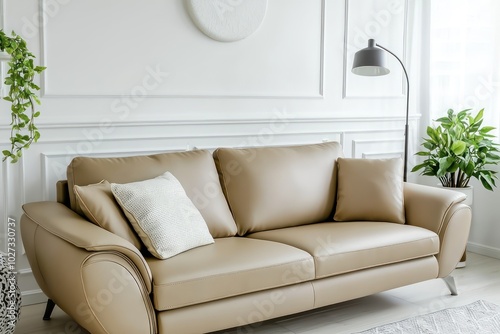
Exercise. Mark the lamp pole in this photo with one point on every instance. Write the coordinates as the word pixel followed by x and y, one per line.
pixel 405 167
pixel 369 62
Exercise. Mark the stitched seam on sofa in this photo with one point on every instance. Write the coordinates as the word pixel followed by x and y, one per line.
pixel 112 261
pixel 376 265
pixel 444 218
pixel 35 248
pixel 441 223
pixel 139 280
pixel 143 289
pixel 86 295
pixel 314 293
pixel 454 213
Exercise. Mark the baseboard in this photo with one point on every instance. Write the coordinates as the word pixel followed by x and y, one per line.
pixel 483 250
pixel 31 297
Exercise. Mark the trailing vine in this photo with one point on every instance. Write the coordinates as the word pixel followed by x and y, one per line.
pixel 22 95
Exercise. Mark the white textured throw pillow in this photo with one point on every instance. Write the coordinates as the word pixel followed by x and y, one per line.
pixel 163 216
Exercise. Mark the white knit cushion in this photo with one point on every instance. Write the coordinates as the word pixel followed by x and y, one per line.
pixel 163 216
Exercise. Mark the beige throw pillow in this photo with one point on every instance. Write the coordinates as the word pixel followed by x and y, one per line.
pixel 163 216
pixel 100 207
pixel 370 190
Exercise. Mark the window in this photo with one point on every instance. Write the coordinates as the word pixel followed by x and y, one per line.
pixel 465 57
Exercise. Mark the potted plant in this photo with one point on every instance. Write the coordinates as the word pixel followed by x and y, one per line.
pixel 460 148
pixel 22 94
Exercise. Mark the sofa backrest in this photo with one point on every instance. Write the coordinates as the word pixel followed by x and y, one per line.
pixel 195 170
pixel 275 187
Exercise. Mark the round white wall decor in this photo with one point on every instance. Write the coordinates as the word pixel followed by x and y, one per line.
pixel 227 20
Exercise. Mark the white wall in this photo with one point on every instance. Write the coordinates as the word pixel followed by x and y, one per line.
pixel 288 83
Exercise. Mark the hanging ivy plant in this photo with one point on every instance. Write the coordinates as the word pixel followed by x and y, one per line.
pixel 22 94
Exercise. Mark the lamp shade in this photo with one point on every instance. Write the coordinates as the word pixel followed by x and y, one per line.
pixel 370 61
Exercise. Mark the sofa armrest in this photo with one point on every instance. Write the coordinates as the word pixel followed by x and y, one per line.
pixel 441 211
pixel 61 221
pixel 101 280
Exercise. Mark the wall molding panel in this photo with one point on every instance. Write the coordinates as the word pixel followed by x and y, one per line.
pixel 182 82
pixel 54 157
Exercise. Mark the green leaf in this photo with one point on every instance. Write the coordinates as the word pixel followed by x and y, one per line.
pixel 479 116
pixel 443 120
pixel 444 164
pixel 486 129
pixel 458 147
pixel 422 154
pixel 469 168
pixel 462 115
pixel 39 69
pixel 487 182
pixel 418 167
pixel 428 145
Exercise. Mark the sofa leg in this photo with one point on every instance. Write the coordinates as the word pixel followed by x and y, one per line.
pixel 48 309
pixel 450 283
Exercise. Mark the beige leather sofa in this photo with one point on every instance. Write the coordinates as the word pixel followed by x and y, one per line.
pixel 277 249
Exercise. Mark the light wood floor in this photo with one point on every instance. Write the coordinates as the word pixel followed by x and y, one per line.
pixel 480 279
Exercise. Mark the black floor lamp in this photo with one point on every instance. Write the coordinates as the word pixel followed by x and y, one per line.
pixel 370 61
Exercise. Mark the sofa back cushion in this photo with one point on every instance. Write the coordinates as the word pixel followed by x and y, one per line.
pixel 276 187
pixel 377 187
pixel 195 170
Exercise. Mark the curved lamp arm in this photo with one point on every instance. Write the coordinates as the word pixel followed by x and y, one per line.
pixel 370 62
pixel 405 168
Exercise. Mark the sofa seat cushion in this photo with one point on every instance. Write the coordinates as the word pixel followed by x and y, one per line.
pixel 229 267
pixel 339 248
